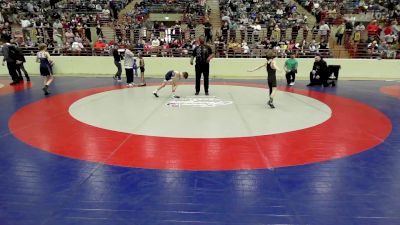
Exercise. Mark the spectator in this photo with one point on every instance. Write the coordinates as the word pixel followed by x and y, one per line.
pixel 69 36
pixel 88 33
pixel 256 31
pixel 208 30
pixel 358 30
pixel 25 25
pixel 324 30
pixel 340 32
pixel 99 46
pixel 313 47
pixel 155 43
pixel 276 34
pixel 372 29
pixel 383 50
pixel 373 48
pixel 246 49
pixel 295 31
pixel 77 47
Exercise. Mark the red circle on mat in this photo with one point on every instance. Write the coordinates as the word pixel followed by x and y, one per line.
pixel 353 127
pixel 7 89
pixel 393 90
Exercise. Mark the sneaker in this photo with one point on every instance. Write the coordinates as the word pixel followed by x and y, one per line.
pixel 310 84
pixel 176 96
pixel 28 79
pixel 291 84
pixel 119 80
pixel 197 93
pixel 206 93
pixel 130 85
pixel 155 94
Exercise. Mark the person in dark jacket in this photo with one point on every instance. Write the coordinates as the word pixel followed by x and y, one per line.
pixel 10 56
pixel 117 61
pixel 20 65
pixel 320 73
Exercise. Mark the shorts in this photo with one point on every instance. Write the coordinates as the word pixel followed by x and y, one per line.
pixel 272 81
pixel 46 70
pixel 142 69
pixel 169 76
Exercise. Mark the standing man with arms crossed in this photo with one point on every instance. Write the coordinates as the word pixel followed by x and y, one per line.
pixel 203 54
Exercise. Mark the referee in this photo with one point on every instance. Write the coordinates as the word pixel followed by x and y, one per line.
pixel 203 54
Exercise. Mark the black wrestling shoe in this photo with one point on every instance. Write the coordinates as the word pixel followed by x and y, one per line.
pixel 46 90
pixel 310 84
pixel 207 93
pixel 176 96
pixel 155 94
pixel 271 105
pixel 197 93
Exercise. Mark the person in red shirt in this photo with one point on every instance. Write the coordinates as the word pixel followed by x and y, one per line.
pixel 99 46
pixel 388 30
pixel 373 29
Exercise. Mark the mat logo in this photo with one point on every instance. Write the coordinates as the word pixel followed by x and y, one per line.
pixel 198 101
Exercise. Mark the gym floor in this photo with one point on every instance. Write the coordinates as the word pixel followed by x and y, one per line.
pixel 96 152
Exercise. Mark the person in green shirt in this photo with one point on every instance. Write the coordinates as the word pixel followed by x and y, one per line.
pixel 291 69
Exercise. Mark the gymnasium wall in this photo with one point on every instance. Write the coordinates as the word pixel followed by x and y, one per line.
pixel 220 67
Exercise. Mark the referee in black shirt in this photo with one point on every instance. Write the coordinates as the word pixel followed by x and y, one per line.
pixel 203 54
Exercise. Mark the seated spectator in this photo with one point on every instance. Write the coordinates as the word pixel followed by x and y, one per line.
pixel 245 47
pixel 155 43
pixel 373 29
pixel 69 36
pixel 76 47
pixel 324 44
pixel 313 47
pixel 99 45
pixel 373 48
pixel 383 50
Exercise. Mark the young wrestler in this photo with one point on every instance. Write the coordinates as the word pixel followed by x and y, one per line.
pixel 141 67
pixel 271 67
pixel 172 77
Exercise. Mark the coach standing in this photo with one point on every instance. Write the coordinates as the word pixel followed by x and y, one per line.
pixel 9 53
pixel 203 54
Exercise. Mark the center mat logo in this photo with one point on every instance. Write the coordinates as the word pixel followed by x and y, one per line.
pixel 198 101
